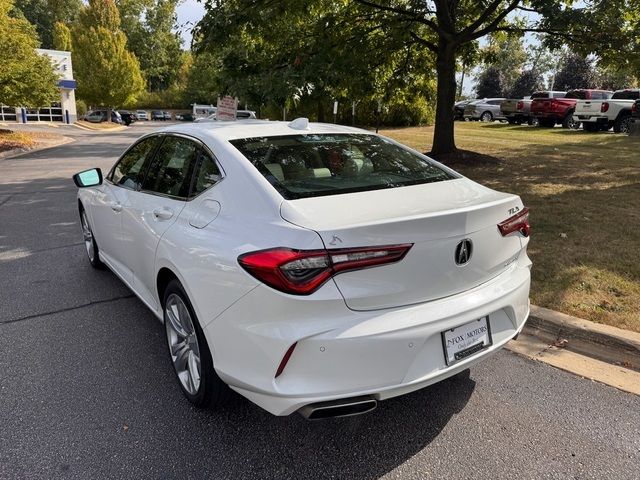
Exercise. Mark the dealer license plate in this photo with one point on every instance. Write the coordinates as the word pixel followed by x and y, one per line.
pixel 466 340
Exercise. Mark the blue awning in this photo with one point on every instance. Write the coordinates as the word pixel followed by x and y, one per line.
pixel 67 84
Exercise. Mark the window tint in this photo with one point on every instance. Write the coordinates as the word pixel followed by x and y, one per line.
pixel 540 95
pixel 172 168
pixel 129 171
pixel 559 95
pixel 579 94
pixel 626 95
pixel 207 174
pixel 301 166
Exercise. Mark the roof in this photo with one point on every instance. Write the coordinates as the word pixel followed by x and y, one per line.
pixel 256 128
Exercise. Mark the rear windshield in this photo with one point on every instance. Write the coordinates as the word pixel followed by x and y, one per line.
pixel 579 94
pixel 626 95
pixel 540 95
pixel 301 166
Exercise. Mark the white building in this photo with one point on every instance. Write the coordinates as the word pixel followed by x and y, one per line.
pixel 62 110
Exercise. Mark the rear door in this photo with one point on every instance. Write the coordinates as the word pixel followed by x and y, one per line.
pixel 149 212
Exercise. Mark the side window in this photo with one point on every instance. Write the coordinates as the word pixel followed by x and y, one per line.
pixel 129 171
pixel 171 170
pixel 207 174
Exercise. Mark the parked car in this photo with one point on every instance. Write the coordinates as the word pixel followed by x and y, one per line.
pixel 166 115
pixel 615 112
pixel 518 111
pixel 635 110
pixel 128 117
pixel 185 117
pixel 551 111
pixel 98 116
pixel 142 115
pixel 485 110
pixel 458 109
pixel 344 268
pixel 157 115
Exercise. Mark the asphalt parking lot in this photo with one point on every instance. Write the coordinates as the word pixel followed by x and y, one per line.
pixel 87 389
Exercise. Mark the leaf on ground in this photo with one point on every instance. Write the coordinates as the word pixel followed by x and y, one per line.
pixel 561 343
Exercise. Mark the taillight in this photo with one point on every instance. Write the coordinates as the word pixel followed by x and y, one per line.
pixel 517 223
pixel 604 107
pixel 634 108
pixel 520 105
pixel 301 272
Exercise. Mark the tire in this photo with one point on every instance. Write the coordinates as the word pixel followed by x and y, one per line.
pixel 533 121
pixel 486 117
pixel 546 122
pixel 569 122
pixel 622 124
pixel 591 127
pixel 90 245
pixel 186 344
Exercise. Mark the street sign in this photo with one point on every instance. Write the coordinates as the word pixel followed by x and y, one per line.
pixel 227 108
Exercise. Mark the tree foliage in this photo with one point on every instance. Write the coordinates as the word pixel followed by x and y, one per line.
pixel 527 83
pixel 490 84
pixel 107 73
pixel 61 37
pixel 149 26
pixel 45 13
pixel 26 78
pixel 290 52
pixel 575 71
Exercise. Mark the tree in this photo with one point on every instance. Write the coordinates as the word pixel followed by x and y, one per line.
pixel 26 78
pixel 506 54
pixel 489 84
pixel 61 37
pixel 45 13
pixel 107 73
pixel 149 26
pixel 528 82
pixel 575 71
pixel 292 53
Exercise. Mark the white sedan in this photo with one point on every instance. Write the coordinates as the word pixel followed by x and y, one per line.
pixel 309 267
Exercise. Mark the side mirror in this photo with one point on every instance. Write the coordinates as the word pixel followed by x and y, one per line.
pixel 88 178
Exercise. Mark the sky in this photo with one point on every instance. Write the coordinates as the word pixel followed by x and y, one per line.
pixel 189 13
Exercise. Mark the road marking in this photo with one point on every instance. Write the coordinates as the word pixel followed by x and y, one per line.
pixel 599 371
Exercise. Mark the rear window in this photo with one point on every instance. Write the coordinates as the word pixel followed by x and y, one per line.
pixel 540 95
pixel 579 94
pixel 312 165
pixel 626 95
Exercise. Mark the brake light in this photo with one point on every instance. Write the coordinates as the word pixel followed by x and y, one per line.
pixel 301 272
pixel 604 107
pixel 517 223
pixel 520 105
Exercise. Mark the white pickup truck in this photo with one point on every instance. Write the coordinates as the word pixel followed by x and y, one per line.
pixel 615 112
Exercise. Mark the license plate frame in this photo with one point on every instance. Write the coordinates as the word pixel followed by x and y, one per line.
pixel 470 344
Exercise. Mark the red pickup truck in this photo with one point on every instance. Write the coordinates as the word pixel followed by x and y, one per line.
pixel 550 111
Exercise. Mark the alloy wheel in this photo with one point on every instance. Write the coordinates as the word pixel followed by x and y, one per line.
pixel 183 343
pixel 625 125
pixel 87 236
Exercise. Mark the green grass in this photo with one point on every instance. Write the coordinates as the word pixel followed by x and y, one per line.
pixel 583 190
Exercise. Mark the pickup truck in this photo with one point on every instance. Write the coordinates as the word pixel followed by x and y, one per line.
pixel 518 111
pixel 550 111
pixel 615 112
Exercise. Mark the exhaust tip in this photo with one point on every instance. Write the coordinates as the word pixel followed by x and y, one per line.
pixel 345 407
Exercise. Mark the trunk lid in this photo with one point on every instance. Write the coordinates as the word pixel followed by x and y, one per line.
pixel 434 217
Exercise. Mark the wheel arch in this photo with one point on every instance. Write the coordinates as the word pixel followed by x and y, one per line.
pixel 625 112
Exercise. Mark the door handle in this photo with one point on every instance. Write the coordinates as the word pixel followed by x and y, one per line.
pixel 163 213
pixel 116 207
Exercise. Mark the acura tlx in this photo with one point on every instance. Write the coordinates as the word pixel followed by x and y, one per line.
pixel 309 267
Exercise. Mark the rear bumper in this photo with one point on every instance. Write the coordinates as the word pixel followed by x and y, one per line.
pixel 591 119
pixel 341 353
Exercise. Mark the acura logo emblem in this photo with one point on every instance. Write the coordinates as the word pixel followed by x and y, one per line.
pixel 463 252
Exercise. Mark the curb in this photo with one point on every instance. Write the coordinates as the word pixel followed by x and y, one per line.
pixel 22 151
pixel 609 344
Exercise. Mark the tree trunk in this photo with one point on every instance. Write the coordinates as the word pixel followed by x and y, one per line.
pixel 320 109
pixel 443 141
